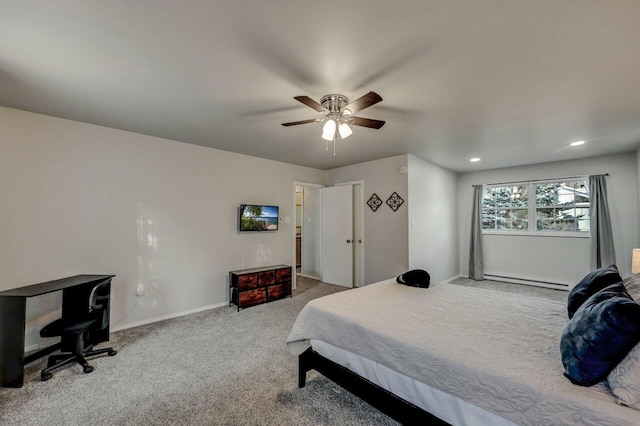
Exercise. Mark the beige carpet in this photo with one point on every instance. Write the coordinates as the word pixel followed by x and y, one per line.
pixel 546 293
pixel 218 367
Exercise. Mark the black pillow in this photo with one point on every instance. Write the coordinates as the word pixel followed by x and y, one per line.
pixel 415 278
pixel 590 285
pixel 600 334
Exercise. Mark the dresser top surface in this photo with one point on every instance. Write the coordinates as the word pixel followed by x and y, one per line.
pixel 261 269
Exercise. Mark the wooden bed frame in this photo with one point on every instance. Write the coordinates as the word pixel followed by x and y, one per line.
pixel 385 401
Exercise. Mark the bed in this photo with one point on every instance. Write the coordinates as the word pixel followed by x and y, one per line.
pixel 451 355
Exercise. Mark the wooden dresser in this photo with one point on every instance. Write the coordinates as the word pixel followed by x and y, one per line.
pixel 248 287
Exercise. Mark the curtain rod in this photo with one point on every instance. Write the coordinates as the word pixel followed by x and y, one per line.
pixel 542 180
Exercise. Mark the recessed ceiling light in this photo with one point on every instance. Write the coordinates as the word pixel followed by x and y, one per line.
pixel 577 143
pixel 474 159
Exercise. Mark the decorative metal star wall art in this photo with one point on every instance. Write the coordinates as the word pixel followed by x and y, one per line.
pixel 394 201
pixel 374 202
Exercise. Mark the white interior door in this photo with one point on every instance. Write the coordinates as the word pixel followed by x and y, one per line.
pixel 337 235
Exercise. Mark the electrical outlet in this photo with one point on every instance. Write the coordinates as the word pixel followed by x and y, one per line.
pixel 139 290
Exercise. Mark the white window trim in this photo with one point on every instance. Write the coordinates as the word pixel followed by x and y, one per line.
pixel 533 231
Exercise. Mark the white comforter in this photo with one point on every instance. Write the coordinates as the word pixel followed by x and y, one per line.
pixel 496 350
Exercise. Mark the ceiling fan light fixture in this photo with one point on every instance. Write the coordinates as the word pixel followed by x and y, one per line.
pixel 338 115
pixel 329 130
pixel 345 130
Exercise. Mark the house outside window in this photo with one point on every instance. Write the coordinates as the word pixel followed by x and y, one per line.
pixel 539 207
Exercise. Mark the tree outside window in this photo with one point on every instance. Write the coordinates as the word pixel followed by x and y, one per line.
pixel 506 208
pixel 562 206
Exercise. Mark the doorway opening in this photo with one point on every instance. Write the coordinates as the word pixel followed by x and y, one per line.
pixel 299 200
pixel 311 237
pixel 307 230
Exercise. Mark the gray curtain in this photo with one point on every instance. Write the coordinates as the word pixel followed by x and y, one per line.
pixel 476 268
pixel 602 251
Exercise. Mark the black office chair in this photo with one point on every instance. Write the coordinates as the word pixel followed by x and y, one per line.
pixel 96 318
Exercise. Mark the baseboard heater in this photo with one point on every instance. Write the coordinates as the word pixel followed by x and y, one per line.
pixel 526 281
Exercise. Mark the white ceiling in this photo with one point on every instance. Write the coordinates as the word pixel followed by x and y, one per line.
pixel 512 82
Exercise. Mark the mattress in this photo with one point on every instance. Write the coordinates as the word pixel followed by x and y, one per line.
pixel 497 351
pixel 442 405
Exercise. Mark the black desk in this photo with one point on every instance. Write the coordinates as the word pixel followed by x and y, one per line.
pixel 75 302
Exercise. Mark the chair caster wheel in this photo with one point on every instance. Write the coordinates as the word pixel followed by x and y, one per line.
pixel 45 376
pixel 112 353
pixel 87 369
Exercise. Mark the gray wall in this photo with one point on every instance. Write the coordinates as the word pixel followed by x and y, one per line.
pixel 556 259
pixel 79 198
pixel 385 236
pixel 433 224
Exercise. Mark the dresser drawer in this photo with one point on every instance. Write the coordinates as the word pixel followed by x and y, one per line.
pixel 247 282
pixel 283 275
pixel 266 278
pixel 253 297
pixel 278 291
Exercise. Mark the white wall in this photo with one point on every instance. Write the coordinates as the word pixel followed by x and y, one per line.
pixel 385 236
pixel 555 259
pixel 433 219
pixel 84 199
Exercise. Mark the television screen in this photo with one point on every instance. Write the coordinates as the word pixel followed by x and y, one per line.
pixel 257 218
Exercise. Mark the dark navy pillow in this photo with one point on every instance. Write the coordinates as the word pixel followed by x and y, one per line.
pixel 590 285
pixel 599 336
pixel 415 278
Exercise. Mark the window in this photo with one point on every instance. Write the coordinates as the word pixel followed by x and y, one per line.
pixel 558 207
pixel 506 207
pixel 562 206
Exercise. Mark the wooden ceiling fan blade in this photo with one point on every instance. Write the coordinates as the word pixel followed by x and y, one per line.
pixel 366 122
pixel 363 102
pixel 295 123
pixel 310 103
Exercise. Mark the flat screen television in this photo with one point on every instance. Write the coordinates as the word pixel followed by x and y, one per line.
pixel 257 218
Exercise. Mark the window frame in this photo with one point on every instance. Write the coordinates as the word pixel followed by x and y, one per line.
pixel 532 208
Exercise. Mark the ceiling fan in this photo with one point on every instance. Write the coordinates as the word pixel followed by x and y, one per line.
pixel 338 115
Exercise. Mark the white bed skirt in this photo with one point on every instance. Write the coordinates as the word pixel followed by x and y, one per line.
pixel 441 404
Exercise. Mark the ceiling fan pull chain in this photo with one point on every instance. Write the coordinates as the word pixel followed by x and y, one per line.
pixel 334 146
pixel 326 145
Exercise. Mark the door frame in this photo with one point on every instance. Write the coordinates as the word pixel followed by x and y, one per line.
pixel 293 261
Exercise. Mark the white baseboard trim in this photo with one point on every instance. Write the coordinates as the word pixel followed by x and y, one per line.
pixel 309 276
pixel 535 283
pixel 49 342
pixel 166 317
pixel 448 280
pixel 38 346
